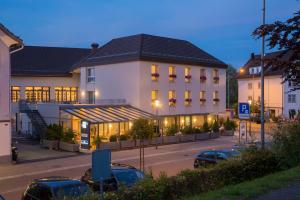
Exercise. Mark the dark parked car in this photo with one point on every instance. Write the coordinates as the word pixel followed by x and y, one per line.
pixel 53 188
pixel 212 157
pixel 121 175
pixel 1 198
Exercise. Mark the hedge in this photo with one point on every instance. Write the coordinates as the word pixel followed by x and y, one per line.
pixel 252 164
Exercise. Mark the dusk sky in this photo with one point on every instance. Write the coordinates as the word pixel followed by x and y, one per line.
pixel 220 27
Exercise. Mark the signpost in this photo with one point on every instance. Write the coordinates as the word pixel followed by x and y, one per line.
pixel 244 113
pixel 85 135
pixel 101 169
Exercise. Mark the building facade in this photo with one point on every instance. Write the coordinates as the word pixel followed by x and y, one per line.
pixel 279 99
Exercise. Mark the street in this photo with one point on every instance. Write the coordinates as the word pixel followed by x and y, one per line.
pixel 170 159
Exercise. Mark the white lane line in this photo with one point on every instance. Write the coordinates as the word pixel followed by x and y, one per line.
pixel 114 160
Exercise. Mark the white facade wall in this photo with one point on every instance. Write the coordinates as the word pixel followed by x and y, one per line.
pixel 290 105
pixel 132 81
pixel 273 92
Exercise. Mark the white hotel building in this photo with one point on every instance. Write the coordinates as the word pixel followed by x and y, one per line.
pixel 110 86
pixel 279 99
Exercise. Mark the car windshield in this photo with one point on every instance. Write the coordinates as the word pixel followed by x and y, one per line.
pixel 128 177
pixel 73 190
pixel 232 153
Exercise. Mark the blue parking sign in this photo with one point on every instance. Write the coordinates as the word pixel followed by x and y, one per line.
pixel 244 110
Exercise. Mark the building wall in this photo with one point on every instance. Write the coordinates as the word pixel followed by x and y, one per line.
pixel 273 92
pixel 290 105
pixel 132 81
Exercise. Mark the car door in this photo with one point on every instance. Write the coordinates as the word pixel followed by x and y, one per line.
pixel 32 192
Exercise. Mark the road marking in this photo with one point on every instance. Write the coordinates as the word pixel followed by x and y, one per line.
pixel 114 160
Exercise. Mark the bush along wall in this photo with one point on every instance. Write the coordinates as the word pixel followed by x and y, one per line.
pixel 252 164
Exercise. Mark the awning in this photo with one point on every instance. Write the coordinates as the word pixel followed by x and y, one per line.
pixel 106 113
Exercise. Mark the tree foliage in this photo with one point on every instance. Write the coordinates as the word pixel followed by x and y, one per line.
pixel 284 36
pixel 142 129
pixel 232 90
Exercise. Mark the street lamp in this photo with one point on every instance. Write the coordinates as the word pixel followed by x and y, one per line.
pixel 250 103
pixel 156 105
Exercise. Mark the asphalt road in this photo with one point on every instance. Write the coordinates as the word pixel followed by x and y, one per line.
pixel 169 159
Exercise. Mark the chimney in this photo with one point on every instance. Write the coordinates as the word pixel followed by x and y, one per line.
pixel 94 46
pixel 252 55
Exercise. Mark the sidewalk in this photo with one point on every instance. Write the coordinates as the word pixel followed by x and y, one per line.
pixel 291 192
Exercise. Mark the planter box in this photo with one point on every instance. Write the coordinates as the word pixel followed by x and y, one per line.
pixel 187 138
pixel 127 144
pixel 69 147
pixel 214 135
pixel 110 145
pixel 203 136
pixel 170 139
pixel 156 141
pixel 50 144
pixel 146 142
pixel 228 133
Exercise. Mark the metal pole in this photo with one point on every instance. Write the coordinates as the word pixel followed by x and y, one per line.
pixel 262 112
pixel 157 130
pixel 228 93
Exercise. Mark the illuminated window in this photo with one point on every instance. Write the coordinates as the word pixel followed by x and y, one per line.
pixel 172 73
pixel 202 75
pixel 216 97
pixel 154 73
pixel 187 74
pixel 187 98
pixel 37 94
pixel 249 98
pixel 66 94
pixel 154 95
pixel 216 77
pixel 172 98
pixel 90 75
pixel 202 97
pixel 15 94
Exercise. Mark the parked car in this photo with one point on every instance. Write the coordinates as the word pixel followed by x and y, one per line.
pixel 121 175
pixel 1 198
pixel 54 188
pixel 212 157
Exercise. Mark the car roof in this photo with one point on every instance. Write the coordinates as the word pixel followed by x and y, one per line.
pixel 58 181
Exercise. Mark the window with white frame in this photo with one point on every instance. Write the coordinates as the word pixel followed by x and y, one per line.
pixel 91 97
pixel 90 75
pixel 292 98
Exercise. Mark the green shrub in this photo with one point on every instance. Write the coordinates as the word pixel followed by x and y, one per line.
pixel 215 126
pixel 197 130
pixel 286 143
pixel 252 164
pixel 205 127
pixel 54 132
pixel 69 136
pixel 113 138
pixel 187 130
pixel 172 130
pixel 230 125
pixel 142 129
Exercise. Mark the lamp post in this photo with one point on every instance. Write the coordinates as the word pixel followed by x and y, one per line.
pixel 250 103
pixel 157 105
pixel 262 110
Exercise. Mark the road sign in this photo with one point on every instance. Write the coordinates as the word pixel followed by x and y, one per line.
pixel 244 111
pixel 85 135
pixel 243 131
pixel 101 160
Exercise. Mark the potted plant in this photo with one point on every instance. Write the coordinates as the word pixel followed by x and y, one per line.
pixel 68 141
pixel 52 136
pixel 170 134
pixel 112 143
pixel 204 132
pixel 215 129
pixel 126 141
pixel 229 126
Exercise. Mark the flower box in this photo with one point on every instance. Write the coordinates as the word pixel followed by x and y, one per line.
pixel 203 78
pixel 203 136
pixel 173 76
pixel 214 135
pixel 202 100
pixel 156 141
pixel 110 145
pixel 156 75
pixel 146 142
pixel 127 144
pixel 216 99
pixel 187 138
pixel 170 139
pixel 69 147
pixel 50 144
pixel 188 76
pixel 188 100
pixel 173 100
pixel 216 79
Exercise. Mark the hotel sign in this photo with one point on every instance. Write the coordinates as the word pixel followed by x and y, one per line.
pixel 85 135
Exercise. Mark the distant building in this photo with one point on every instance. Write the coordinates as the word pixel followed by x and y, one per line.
pixel 279 99
pixel 127 78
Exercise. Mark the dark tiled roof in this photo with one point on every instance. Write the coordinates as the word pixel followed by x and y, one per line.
pixel 151 48
pixel 254 61
pixel 5 30
pixel 46 61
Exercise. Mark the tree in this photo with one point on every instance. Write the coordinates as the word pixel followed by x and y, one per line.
pixel 232 91
pixel 284 36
